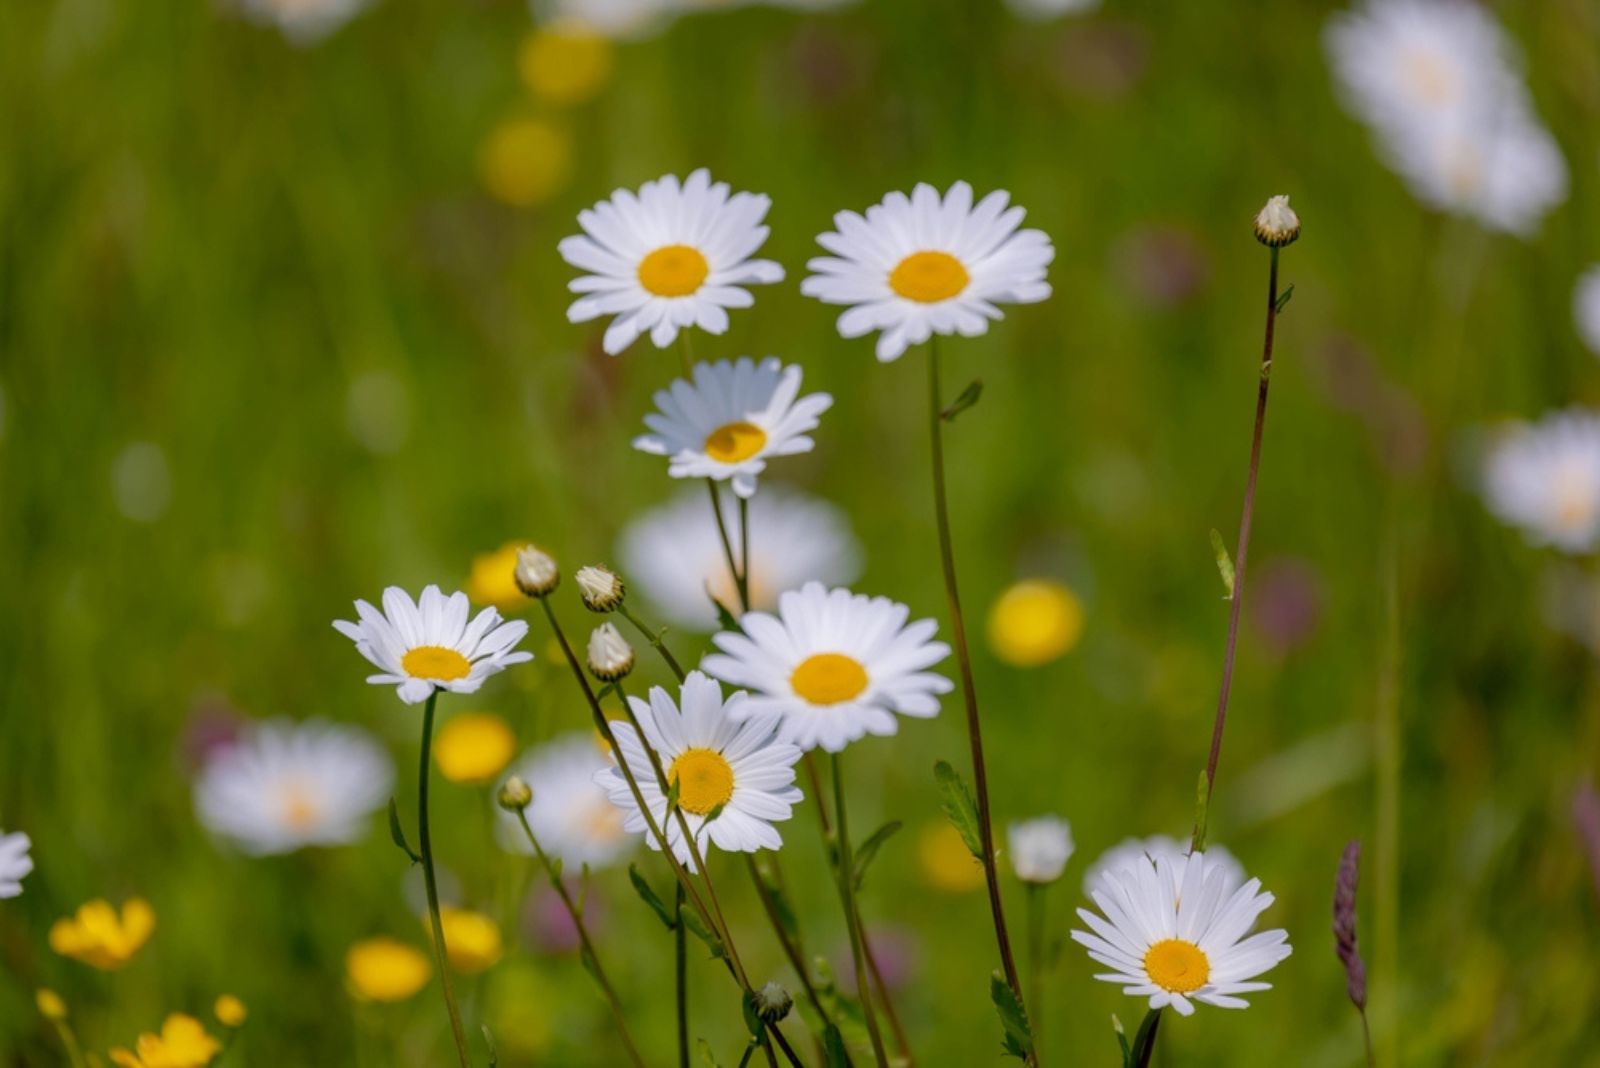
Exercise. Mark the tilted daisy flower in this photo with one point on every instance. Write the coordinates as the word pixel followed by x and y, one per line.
pixel 1132 852
pixel 671 256
pixel 570 814
pixel 731 420
pixel 1544 479
pixel 1040 849
pixel 285 786
pixel 1586 308
pixel 922 265
pixel 833 666
pixel 723 762
pixel 1174 932
pixel 673 554
pixel 428 644
pixel 15 863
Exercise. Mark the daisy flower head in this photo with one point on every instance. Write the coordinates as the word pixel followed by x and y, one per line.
pixel 924 264
pixel 673 554
pixel 671 256
pixel 15 863
pixel 1173 931
pixel 1132 852
pixel 1544 479
pixel 1040 849
pixel 833 666
pixel 726 764
pixel 428 644
pixel 732 418
pixel 570 815
pixel 286 786
pixel 1586 308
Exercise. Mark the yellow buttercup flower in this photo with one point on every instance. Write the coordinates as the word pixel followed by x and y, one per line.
pixel 230 1011
pixel 493 578
pixel 474 747
pixel 97 935
pixel 525 161
pixel 566 62
pixel 472 940
pixel 383 969
pixel 183 1043
pixel 1034 622
pixel 946 861
pixel 51 1007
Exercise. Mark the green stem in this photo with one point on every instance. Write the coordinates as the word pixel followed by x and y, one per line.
pixel 70 1041
pixel 681 973
pixel 1144 1043
pixel 431 882
pixel 739 584
pixel 744 552
pixel 847 896
pixel 655 640
pixel 1036 901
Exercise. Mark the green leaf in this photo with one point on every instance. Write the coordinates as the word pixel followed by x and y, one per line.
pixel 1013 1017
pixel 1283 299
pixel 1139 1055
pixel 707 1058
pixel 966 399
pixel 1122 1040
pixel 488 1040
pixel 833 1048
pixel 648 895
pixel 959 806
pixel 711 817
pixel 398 833
pixel 673 790
pixel 1202 805
pixel 752 1019
pixel 726 620
pixel 1224 564
pixel 780 905
pixel 869 849
pixel 591 965
pixel 697 927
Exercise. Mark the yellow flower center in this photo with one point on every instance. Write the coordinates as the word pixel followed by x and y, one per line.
pixel 673 271
pixel 1177 966
pixel 1430 78
pixel 733 442
pixel 299 807
pixel 436 663
pixel 704 778
pixel 929 277
pixel 828 678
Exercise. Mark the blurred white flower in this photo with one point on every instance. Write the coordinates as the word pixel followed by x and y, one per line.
pixel 303 21
pixel 1586 308
pixel 570 814
pixel 1049 9
pixel 15 863
pixel 285 786
pixel 1544 478
pixel 1040 848
pixel 639 18
pixel 1131 852
pixel 141 482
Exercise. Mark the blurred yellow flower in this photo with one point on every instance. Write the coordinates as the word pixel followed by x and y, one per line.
pixel 525 161
pixel 383 969
pixel 183 1043
pixel 473 747
pixel 230 1011
pixel 566 62
pixel 97 935
pixel 51 1007
pixel 946 861
pixel 492 580
pixel 1034 622
pixel 471 939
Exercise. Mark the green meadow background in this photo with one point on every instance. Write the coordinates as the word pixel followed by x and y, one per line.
pixel 267 344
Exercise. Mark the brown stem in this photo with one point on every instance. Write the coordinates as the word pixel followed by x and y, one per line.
pixel 845 874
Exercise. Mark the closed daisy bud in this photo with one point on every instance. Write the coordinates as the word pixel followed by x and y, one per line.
pixel 515 794
pixel 1040 849
pixel 537 574
pixel 1276 224
pixel 773 1003
pixel 610 655
pixel 600 587
pixel 51 1007
pixel 230 1011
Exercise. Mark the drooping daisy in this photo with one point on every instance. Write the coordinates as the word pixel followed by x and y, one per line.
pixel 1174 932
pixel 1131 852
pixel 15 863
pixel 1039 848
pixel 285 786
pixel 922 265
pixel 1544 478
pixel 429 645
pixel 731 420
pixel 303 22
pixel 1586 308
pixel 673 255
pixel 673 554
pixel 833 666
pixel 724 762
pixel 570 815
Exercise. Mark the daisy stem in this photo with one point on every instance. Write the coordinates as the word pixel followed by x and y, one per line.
pixel 431 882
pixel 744 552
pixel 1035 899
pixel 845 874
pixel 576 914
pixel 740 580
pixel 969 687
pixel 654 638
pixel 1236 601
pixel 681 971
pixel 70 1041
pixel 1144 1042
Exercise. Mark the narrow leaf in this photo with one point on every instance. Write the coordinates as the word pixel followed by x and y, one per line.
pixel 1224 564
pixel 725 619
pixel 591 965
pixel 833 1048
pixel 697 927
pixel 1283 299
pixel 1013 1017
pixel 488 1040
pixel 398 833
pixel 648 895
pixel 1202 805
pixel 707 1058
pixel 870 847
pixel 959 806
pixel 966 399
pixel 1139 1055
pixel 752 1019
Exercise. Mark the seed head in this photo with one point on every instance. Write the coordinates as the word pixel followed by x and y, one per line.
pixel 1344 924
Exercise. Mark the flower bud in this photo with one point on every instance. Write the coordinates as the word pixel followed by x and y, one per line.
pixel 1277 225
pixel 51 1007
pixel 230 1011
pixel 610 655
pixel 515 794
pixel 537 574
pixel 773 1003
pixel 600 587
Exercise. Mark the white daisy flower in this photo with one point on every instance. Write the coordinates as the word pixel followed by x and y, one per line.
pixel 721 757
pixel 570 814
pixel 1040 848
pixel 284 786
pixel 1172 931
pixel 669 257
pixel 1132 852
pixel 673 554
pixel 1586 308
pixel 303 21
pixel 429 645
pixel 1049 9
pixel 833 665
pixel 1544 478
pixel 731 420
pixel 922 265
pixel 15 863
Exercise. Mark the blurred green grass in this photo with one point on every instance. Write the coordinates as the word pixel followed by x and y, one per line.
pixel 210 237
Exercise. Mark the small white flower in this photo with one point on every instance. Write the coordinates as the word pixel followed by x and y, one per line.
pixel 1040 848
pixel 15 863
pixel 1132 852
pixel 669 257
pixel 1049 9
pixel 429 645
pixel 285 786
pixel 1586 308
pixel 720 757
pixel 922 265
pixel 303 22
pixel 1544 478
pixel 731 420
pixel 833 665
pixel 610 655
pixel 571 815
pixel 1174 932
pixel 674 553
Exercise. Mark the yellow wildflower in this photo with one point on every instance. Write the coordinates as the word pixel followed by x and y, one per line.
pixel 382 969
pixel 230 1011
pixel 946 861
pixel 492 580
pixel 1034 622
pixel 183 1043
pixel 472 940
pixel 474 747
pixel 51 1007
pixel 97 935
pixel 566 62
pixel 525 161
